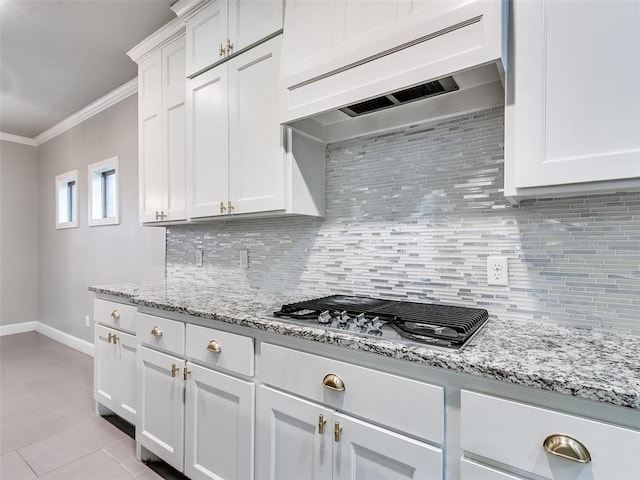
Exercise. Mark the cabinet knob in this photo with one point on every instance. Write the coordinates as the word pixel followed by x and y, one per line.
pixel 185 373
pixel 221 50
pixel 110 337
pixel 230 206
pixel 222 207
pixel 337 430
pixel 566 447
pixel 156 331
pixel 214 346
pixel 229 46
pixel 174 369
pixel 321 423
pixel 115 338
pixel 333 382
pixel 115 314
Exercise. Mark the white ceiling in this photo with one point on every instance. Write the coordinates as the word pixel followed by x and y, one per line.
pixel 57 57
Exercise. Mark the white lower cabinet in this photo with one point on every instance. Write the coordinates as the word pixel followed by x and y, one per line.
pixel 198 420
pixel 115 371
pixel 303 440
pixel 160 425
pixel 513 435
pixel 219 425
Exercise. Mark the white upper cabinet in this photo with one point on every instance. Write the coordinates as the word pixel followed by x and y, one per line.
pixel 161 124
pixel 219 28
pixel 240 160
pixel 337 52
pixel 573 101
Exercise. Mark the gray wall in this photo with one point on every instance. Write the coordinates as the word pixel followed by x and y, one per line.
pixel 18 233
pixel 70 260
pixel 414 213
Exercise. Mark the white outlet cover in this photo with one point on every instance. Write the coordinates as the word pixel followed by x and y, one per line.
pixel 498 271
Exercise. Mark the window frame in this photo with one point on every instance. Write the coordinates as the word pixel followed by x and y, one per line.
pixel 66 191
pixel 97 194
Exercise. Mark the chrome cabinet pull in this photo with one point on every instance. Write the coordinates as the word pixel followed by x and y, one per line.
pixel 110 337
pixel 229 46
pixel 321 423
pixel 230 206
pixel 185 373
pixel 115 338
pixel 115 314
pixel 174 369
pixel 222 207
pixel 566 447
pixel 333 382
pixel 221 50
pixel 156 331
pixel 214 346
pixel 337 430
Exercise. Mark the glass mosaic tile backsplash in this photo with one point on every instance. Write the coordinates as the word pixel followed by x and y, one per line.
pixel 414 213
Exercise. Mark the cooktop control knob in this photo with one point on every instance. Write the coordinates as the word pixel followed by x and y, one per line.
pixel 324 318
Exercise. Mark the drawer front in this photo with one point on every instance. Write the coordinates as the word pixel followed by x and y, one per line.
pixel 117 315
pixel 406 405
pixel 470 470
pixel 160 333
pixel 512 433
pixel 235 351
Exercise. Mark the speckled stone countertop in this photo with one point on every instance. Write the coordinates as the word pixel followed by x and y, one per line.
pixel 591 364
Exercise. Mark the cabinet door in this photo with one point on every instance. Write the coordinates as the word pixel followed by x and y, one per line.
pixel 256 155
pixel 150 148
pixel 219 426
pixel 126 376
pixel 577 92
pixel 160 422
pixel 253 20
pixel 208 143
pixel 207 34
pixel 105 368
pixel 174 120
pixel 290 445
pixel 366 452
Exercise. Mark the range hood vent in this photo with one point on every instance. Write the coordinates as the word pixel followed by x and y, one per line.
pixel 419 92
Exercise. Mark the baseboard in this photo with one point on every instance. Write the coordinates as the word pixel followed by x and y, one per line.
pixel 64 338
pixel 17 328
pixel 53 333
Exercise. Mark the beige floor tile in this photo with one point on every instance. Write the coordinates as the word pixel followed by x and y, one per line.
pixel 85 438
pixel 149 475
pixel 124 452
pixel 13 467
pixel 96 466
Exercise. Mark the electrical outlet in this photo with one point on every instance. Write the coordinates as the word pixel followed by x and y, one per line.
pixel 199 255
pixel 498 271
pixel 86 320
pixel 244 259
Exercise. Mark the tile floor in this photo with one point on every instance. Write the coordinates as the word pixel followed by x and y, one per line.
pixel 48 425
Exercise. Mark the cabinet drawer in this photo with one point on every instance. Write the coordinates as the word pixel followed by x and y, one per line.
pixel 406 405
pixel 169 334
pixel 512 433
pixel 117 315
pixel 470 470
pixel 235 351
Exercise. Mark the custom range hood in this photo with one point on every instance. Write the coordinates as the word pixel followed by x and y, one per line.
pixel 427 64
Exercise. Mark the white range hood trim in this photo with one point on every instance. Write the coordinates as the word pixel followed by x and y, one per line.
pixel 443 106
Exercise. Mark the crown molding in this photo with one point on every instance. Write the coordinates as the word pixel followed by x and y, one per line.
pixel 10 137
pixel 89 111
pixel 157 39
pixel 185 9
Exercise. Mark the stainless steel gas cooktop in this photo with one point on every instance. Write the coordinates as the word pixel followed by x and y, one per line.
pixel 443 326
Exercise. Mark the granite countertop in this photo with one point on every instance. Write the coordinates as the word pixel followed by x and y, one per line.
pixel 591 364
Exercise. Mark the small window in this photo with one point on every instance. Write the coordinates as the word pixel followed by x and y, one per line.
pixel 103 192
pixel 67 200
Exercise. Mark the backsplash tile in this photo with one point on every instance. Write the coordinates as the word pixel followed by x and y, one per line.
pixel 414 213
